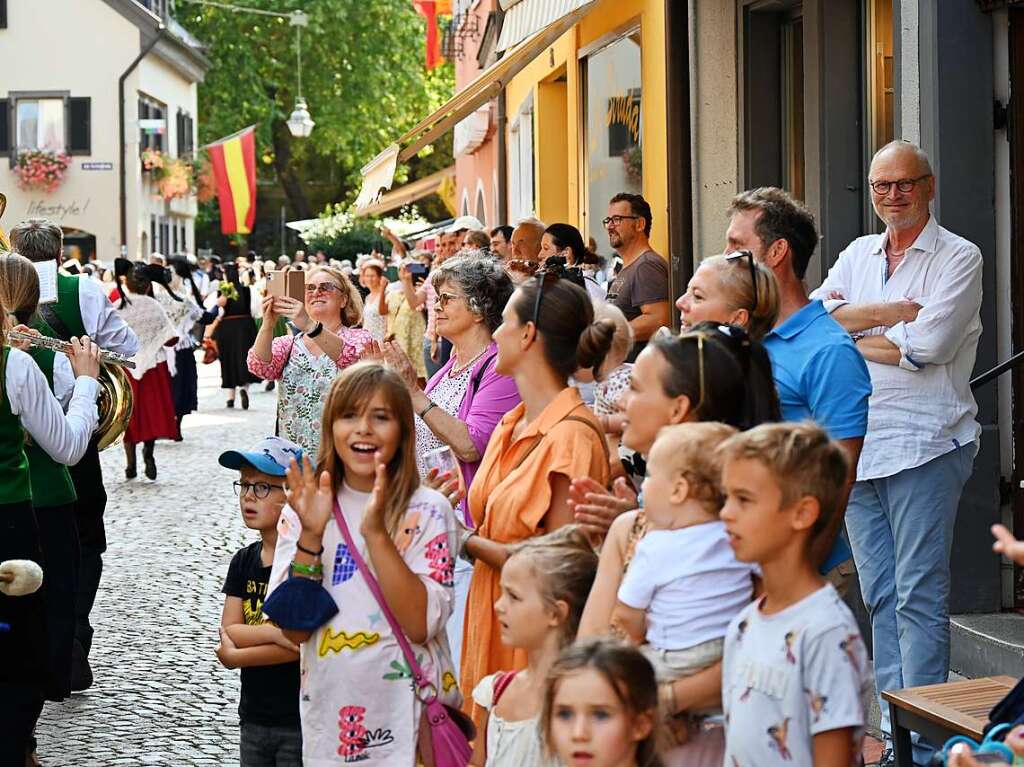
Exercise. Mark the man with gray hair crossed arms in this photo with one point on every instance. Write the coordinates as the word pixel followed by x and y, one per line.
pixel 910 297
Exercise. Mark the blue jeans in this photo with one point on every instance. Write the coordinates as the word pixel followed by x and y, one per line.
pixel 263 746
pixel 901 531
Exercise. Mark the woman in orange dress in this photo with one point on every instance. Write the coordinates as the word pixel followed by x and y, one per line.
pixel 522 487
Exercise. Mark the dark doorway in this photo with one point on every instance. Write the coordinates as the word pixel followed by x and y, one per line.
pixel 79 244
pixel 1015 133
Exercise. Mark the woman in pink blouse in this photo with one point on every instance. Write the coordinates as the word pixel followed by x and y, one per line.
pixel 307 363
pixel 463 402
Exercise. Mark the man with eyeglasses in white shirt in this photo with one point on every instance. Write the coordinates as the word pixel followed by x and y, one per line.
pixel 911 298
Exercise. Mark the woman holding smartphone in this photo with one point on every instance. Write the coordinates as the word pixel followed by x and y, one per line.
pixel 307 363
pixel 406 321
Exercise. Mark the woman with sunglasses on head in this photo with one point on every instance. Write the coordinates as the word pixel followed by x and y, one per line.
pixel 522 486
pixel 731 289
pixel 306 364
pixel 712 373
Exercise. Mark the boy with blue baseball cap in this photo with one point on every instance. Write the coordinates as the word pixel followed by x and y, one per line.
pixel 269 707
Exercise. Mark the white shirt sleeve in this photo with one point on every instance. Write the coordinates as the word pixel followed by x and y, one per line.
pixel 837 280
pixel 639 584
pixel 63 437
pixel 946 316
pixel 63 380
pixel 102 322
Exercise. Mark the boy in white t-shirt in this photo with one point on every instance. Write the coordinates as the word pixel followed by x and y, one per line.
pixel 793 676
pixel 684 584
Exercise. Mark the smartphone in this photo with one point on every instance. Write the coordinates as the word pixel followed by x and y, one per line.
pixel 291 283
pixel 418 272
pixel 276 283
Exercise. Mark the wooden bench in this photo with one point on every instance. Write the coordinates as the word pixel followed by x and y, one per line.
pixel 940 711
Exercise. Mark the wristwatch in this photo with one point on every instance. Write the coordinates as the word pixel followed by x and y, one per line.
pixel 317 330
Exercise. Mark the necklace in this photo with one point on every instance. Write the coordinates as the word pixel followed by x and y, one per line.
pixel 456 372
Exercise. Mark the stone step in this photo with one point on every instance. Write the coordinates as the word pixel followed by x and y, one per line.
pixel 987 644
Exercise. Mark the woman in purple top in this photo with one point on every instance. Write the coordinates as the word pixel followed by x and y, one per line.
pixel 465 399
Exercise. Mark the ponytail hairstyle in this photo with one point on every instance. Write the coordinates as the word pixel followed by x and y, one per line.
pixel 622 341
pixel 710 365
pixel 564 564
pixel 351 392
pixel 565 322
pixel 568 237
pixel 122 268
pixel 626 671
pixel 735 278
pixel 183 269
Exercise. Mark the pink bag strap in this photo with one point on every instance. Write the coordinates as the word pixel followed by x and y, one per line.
pixel 371 581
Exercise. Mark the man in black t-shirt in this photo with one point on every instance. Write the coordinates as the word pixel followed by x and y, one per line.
pixel 640 289
pixel 268 710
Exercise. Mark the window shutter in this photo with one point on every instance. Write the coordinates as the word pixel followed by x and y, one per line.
pixel 3 14
pixel 5 125
pixel 80 133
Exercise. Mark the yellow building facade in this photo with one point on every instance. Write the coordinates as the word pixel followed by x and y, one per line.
pixel 586 118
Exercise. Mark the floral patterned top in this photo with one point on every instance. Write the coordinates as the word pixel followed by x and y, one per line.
pixel 447 395
pixel 356 700
pixel 305 380
pixel 608 392
pixel 407 325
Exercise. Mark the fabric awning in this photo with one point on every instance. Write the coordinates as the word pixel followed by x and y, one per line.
pixel 411 192
pixel 525 17
pixel 378 174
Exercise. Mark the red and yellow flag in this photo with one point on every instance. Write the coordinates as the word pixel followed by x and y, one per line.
pixel 430 10
pixel 233 160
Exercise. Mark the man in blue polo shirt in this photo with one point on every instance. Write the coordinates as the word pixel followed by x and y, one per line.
pixel 818 371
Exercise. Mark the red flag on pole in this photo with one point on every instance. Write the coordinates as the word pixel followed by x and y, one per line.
pixel 429 10
pixel 233 160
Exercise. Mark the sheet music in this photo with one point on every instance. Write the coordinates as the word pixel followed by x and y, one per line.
pixel 47 281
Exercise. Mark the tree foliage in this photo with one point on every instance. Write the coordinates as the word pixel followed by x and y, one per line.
pixel 362 74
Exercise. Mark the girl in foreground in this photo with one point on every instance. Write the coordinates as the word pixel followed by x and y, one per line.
pixel 544 585
pixel 600 707
pixel 357 702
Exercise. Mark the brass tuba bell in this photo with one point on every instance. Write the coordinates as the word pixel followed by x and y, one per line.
pixel 115 405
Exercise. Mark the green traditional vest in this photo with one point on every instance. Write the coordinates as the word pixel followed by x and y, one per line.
pixel 67 306
pixel 15 486
pixel 51 482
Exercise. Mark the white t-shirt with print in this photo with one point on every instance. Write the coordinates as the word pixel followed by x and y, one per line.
pixel 689 582
pixel 356 699
pixel 789 676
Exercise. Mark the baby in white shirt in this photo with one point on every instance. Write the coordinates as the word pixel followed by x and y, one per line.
pixel 684 584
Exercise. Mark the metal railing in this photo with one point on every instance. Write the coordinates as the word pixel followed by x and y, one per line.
pixel 998 370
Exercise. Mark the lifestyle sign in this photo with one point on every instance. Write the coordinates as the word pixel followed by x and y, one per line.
pixel 57 211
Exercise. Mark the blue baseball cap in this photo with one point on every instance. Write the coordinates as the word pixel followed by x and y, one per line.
pixel 271 455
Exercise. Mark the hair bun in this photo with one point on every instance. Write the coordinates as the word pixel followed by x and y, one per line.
pixel 595 343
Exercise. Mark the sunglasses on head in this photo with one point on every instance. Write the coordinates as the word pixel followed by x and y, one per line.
pixel 681 338
pixel 544 276
pixel 753 269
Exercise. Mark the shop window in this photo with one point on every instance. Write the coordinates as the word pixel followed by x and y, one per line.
pixel 39 124
pixel 614 128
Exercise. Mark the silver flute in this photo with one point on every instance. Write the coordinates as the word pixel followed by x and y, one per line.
pixel 56 345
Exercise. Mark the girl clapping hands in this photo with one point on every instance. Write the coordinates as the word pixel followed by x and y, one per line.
pixel 357 701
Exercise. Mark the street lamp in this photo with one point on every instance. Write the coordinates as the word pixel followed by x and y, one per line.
pixel 300 124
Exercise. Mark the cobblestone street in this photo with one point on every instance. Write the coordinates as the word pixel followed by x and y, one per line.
pixel 160 696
